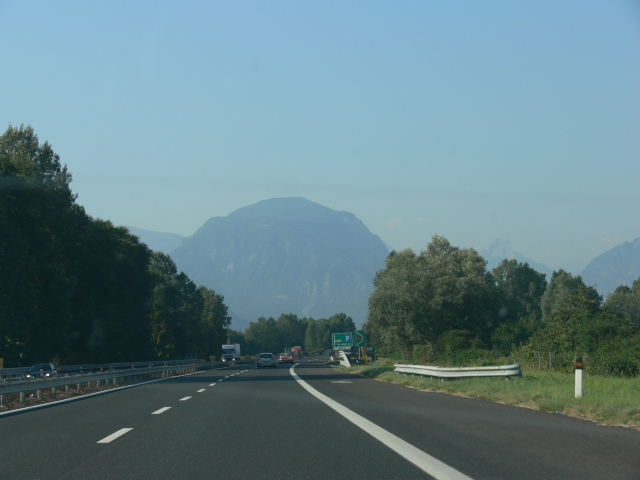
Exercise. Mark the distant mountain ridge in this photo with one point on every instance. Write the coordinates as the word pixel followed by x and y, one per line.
pixel 500 249
pixel 158 241
pixel 615 267
pixel 285 255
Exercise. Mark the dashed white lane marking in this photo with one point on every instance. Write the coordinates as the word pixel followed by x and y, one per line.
pixel 162 410
pixel 227 376
pixel 212 384
pixel 220 379
pixel 115 435
pixel 184 399
pixel 434 467
pixel 201 390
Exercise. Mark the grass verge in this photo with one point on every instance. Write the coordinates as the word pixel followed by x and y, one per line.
pixel 605 400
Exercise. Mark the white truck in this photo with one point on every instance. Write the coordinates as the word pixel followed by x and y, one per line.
pixel 231 352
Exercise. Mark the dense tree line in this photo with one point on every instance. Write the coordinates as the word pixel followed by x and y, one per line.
pixel 76 289
pixel 442 304
pixel 271 335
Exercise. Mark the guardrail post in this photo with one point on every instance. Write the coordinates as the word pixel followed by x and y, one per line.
pixel 39 394
pixel 54 392
pixel 67 388
pixel 22 397
pixel 3 400
pixel 78 386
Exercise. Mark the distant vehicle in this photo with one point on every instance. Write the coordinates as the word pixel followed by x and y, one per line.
pixel 266 360
pixel 285 358
pixel 297 353
pixel 231 352
pixel 42 370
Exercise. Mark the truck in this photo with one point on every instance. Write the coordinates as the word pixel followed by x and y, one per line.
pixel 231 352
pixel 297 353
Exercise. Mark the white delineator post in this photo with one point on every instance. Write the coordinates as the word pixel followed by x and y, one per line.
pixel 579 377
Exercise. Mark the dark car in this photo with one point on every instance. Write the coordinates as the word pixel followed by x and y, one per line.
pixel 42 370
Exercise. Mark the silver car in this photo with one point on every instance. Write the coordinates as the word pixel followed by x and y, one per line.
pixel 266 360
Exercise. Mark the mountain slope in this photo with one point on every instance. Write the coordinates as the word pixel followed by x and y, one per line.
pixel 500 249
pixel 159 241
pixel 285 255
pixel 615 267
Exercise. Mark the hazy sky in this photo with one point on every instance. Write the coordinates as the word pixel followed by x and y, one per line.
pixel 468 119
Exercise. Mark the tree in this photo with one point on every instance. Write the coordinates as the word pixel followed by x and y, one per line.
pixel 262 336
pixel 215 320
pixel 561 286
pixel 397 304
pixel 35 283
pixel 625 302
pixel 520 289
pixel 581 328
pixel 417 298
pixel 291 330
pixel 110 299
pixel 519 292
pixel 176 310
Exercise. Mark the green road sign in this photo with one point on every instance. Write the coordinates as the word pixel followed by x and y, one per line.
pixel 358 338
pixel 342 340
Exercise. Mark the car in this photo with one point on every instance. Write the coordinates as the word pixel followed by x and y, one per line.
pixel 42 370
pixel 285 358
pixel 266 360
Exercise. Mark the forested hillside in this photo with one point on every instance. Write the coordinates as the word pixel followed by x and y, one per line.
pixel 75 289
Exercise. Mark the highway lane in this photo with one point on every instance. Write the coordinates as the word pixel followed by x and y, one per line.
pixel 486 440
pixel 256 424
pixel 263 424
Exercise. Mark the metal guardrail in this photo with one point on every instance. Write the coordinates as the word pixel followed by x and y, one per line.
pixel 20 373
pixel 446 372
pixel 112 377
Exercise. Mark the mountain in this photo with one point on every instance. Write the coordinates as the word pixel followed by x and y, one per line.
pixel 285 255
pixel 615 267
pixel 158 241
pixel 501 249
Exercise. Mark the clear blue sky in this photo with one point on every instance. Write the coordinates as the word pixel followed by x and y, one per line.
pixel 468 119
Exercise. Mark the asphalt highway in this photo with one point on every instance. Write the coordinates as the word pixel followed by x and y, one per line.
pixel 305 422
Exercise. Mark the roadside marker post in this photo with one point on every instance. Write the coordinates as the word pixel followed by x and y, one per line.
pixel 579 377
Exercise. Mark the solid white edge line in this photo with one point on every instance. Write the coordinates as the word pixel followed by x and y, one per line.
pixel 162 410
pixel 115 435
pixel 184 399
pixel 425 462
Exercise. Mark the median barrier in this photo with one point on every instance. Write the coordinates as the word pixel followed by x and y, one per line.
pixel 116 376
pixel 463 372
